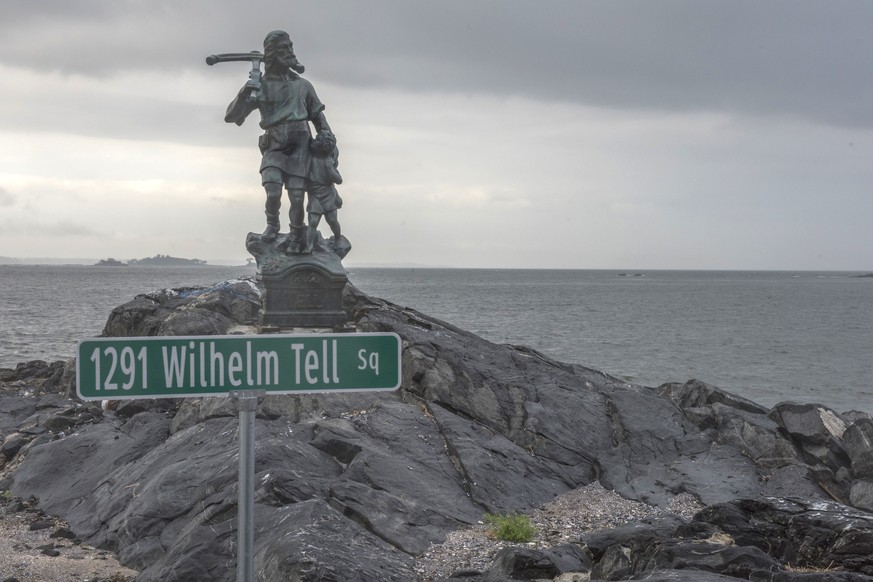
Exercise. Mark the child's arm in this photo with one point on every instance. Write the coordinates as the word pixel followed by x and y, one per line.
pixel 333 167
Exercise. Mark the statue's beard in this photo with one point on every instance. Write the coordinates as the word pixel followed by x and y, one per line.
pixel 275 67
pixel 295 66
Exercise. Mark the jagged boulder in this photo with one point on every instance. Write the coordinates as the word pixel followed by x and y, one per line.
pixel 752 539
pixel 815 534
pixel 187 311
pixel 658 452
pixel 39 377
pixel 858 441
pixel 529 564
pixel 737 421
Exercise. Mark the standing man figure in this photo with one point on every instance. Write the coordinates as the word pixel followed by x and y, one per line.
pixel 288 104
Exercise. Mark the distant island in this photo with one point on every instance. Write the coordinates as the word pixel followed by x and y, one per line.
pixel 110 262
pixel 166 261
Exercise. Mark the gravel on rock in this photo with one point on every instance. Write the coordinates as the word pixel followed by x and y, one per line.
pixel 38 548
pixel 564 520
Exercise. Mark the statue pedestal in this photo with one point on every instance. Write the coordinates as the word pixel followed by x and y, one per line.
pixel 300 290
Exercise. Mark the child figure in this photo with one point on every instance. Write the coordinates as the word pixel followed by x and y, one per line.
pixel 324 200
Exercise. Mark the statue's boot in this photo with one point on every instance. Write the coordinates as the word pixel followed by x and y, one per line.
pixel 311 235
pixel 296 242
pixel 272 212
pixel 271 232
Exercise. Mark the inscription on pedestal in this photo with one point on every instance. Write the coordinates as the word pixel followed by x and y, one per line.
pixel 299 290
pixel 303 297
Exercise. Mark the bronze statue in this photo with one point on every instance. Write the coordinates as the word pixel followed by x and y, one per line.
pixel 288 104
pixel 302 274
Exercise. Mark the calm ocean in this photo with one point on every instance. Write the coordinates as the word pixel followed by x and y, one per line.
pixel 769 336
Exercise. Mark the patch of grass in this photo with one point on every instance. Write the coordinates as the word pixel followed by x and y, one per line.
pixel 511 528
pixel 720 538
pixel 810 569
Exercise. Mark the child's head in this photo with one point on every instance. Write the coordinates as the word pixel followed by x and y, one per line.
pixel 324 143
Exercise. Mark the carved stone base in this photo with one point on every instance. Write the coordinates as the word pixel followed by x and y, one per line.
pixel 304 296
pixel 300 290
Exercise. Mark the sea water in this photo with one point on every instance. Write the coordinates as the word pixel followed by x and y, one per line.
pixel 768 336
pixel 46 310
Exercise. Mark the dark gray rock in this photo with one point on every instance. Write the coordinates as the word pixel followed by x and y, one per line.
pixel 658 452
pixel 59 422
pixel 853 415
pixel 499 475
pixel 352 486
pixel 818 431
pixel 812 423
pixel 516 563
pixel 858 440
pixel 794 481
pixel 820 576
pixel 685 576
pixel 756 435
pixel 61 485
pixel 129 408
pixel 816 534
pixel 31 370
pixel 861 494
pixel 13 410
pixel 738 421
pixel 763 537
pixel 13 443
pixel 187 311
pixel 697 394
pixel 40 377
pixel 634 558
pixel 311 542
pixel 650 530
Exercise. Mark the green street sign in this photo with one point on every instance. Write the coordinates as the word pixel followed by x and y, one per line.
pixel 194 366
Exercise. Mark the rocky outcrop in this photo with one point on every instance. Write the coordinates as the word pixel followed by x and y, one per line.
pixel 186 311
pixel 766 539
pixel 354 486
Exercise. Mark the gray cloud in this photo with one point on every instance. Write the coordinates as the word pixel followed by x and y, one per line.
pixel 54 229
pixel 68 228
pixel 6 197
pixel 803 58
pixel 469 128
pixel 154 118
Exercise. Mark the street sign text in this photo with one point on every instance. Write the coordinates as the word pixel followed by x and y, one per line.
pixel 175 366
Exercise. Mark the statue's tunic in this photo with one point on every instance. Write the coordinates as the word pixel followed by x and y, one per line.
pixel 287 104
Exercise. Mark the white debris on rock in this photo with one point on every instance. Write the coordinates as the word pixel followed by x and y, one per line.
pixel 832 423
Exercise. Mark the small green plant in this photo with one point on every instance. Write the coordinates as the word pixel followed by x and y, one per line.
pixel 513 527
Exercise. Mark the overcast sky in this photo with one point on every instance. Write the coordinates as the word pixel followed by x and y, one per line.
pixel 562 134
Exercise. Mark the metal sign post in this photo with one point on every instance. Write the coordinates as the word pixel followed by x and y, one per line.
pixel 245 554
